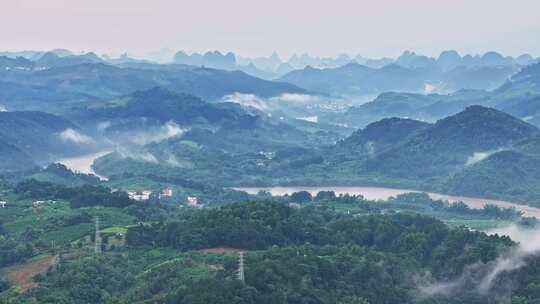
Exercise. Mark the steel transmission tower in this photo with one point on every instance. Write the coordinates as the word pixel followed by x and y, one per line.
pixel 241 275
pixel 97 238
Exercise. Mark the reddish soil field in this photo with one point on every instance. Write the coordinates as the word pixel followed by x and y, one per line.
pixel 21 275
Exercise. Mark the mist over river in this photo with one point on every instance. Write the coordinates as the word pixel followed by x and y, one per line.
pixel 381 193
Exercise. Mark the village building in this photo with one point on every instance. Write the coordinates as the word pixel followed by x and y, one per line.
pixel 192 201
pixel 36 204
pixel 140 195
pixel 167 192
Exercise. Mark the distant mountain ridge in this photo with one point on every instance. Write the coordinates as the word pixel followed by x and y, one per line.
pixel 273 66
pixel 355 79
pixel 67 84
pixel 519 95
pixel 420 77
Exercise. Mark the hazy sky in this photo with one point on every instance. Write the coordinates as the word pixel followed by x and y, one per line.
pixel 251 27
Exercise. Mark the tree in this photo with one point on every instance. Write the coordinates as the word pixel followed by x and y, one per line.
pixel 4 285
pixel 301 197
pixel 328 196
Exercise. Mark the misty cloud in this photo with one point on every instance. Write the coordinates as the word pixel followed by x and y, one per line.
pixel 430 88
pixel 299 98
pixel 314 119
pixel 480 156
pixel 370 148
pixel 480 277
pixel 172 161
pixel 439 288
pixel 70 135
pixel 246 100
pixel 137 155
pixel 168 130
pixel 102 126
pixel 149 157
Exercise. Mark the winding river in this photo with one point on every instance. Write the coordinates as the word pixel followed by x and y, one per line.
pixel 83 163
pixel 380 193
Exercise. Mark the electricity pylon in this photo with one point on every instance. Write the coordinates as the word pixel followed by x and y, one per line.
pixel 97 238
pixel 241 275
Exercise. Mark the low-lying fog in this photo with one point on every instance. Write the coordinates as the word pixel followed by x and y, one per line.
pixel 481 277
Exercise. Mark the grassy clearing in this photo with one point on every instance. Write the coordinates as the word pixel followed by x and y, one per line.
pixel 477 224
pixel 453 220
pixel 115 230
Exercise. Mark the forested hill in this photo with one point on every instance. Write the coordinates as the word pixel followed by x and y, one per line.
pixel 384 133
pixel 293 255
pixel 448 144
pixel 512 174
pixel 261 225
pixel 13 159
pixel 157 105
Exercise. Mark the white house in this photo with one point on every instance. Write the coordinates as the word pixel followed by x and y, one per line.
pixel 37 203
pixel 167 192
pixel 140 195
pixel 192 201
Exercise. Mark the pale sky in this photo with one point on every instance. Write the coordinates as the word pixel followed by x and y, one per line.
pixel 252 28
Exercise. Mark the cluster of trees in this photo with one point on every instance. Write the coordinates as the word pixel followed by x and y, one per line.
pixel 323 197
pixel 13 251
pixel 62 174
pixel 416 202
pixel 258 226
pixel 86 280
pixel 459 208
pixel 83 196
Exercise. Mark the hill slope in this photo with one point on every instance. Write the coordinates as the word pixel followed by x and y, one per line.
pixel 512 174
pixel 451 142
pixel 13 159
pixel 39 136
pixel 375 138
pixel 156 105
